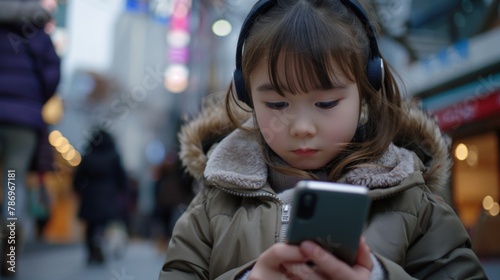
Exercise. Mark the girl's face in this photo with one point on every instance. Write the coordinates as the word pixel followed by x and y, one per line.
pixel 307 129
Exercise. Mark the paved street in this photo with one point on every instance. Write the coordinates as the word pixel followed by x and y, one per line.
pixel 141 261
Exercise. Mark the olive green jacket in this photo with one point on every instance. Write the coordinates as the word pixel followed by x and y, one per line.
pixel 413 232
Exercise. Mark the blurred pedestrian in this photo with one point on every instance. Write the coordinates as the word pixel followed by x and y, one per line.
pixel 98 181
pixel 29 75
pixel 173 193
pixel 40 205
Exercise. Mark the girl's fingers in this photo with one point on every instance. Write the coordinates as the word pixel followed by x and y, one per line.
pixel 334 268
pixel 363 257
pixel 325 261
pixel 291 262
pixel 299 271
pixel 282 253
pixel 272 263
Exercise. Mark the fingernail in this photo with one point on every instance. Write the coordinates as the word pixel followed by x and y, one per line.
pixel 308 247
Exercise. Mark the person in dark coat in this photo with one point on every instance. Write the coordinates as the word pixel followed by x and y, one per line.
pixel 98 181
pixel 29 75
pixel 173 193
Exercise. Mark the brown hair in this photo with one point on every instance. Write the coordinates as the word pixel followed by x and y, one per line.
pixel 310 40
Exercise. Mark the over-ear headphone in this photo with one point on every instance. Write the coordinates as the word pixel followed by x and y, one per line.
pixel 374 68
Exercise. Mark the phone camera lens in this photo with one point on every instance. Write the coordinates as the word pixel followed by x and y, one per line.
pixel 308 199
pixel 307 204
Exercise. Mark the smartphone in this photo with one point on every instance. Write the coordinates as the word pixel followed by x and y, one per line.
pixel 331 214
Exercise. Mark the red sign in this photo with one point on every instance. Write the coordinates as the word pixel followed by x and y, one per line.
pixel 472 109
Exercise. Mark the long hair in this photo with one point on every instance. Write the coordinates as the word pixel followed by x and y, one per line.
pixel 312 42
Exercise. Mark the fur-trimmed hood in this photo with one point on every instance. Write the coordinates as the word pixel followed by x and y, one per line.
pixel 236 160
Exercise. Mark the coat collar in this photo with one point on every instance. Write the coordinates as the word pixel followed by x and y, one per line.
pixel 237 162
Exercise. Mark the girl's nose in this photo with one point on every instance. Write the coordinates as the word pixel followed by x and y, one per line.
pixel 302 127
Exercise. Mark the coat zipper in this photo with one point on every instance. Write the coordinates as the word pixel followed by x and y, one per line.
pixel 285 208
pixel 254 194
pixel 285 213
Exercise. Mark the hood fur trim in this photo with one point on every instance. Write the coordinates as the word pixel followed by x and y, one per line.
pixel 421 134
pixel 391 169
pixel 237 160
pixel 211 124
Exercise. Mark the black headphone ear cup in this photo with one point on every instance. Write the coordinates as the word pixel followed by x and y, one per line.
pixel 374 72
pixel 241 90
pixel 260 8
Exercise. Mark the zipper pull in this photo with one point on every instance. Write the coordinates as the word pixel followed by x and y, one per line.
pixel 285 213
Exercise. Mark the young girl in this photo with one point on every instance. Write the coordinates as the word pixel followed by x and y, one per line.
pixel 321 104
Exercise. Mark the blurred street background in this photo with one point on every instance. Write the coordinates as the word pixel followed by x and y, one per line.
pixel 140 68
pixel 140 260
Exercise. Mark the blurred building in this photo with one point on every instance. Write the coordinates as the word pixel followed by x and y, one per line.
pixel 448 56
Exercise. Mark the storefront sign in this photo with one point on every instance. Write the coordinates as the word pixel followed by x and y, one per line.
pixel 140 6
pixel 468 111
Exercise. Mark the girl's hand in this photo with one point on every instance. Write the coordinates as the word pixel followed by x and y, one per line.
pixel 279 262
pixel 284 261
pixel 328 266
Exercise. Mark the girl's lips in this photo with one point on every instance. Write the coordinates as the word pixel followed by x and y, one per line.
pixel 305 152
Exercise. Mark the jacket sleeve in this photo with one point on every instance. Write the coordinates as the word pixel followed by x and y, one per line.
pixel 440 248
pixel 50 65
pixel 189 250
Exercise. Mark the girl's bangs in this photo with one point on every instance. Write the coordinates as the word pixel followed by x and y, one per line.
pixel 300 72
pixel 306 61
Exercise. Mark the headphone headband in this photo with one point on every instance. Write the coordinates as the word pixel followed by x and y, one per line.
pixel 360 13
pixel 258 9
pixel 374 68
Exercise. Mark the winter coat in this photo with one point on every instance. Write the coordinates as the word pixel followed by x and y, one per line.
pixel 99 179
pixel 410 229
pixel 29 65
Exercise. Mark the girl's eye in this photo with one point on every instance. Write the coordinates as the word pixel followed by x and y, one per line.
pixel 276 105
pixel 327 105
